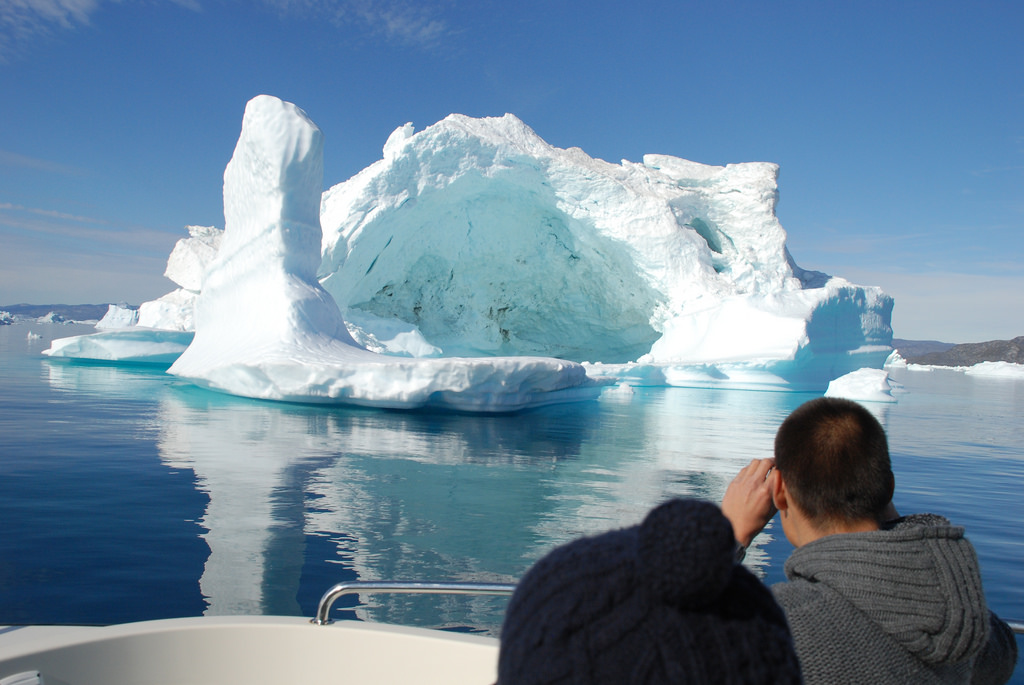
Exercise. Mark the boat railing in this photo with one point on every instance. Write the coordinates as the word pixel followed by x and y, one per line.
pixel 354 587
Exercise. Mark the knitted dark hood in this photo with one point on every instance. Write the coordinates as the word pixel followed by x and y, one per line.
pixel 917 580
pixel 661 602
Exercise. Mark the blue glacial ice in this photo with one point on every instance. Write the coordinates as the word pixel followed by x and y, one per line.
pixel 474 265
pixel 265 328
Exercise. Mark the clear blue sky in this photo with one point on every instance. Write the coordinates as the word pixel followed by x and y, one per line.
pixel 898 126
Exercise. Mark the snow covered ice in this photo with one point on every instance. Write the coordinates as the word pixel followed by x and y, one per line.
pixel 475 237
pixel 1005 370
pixel 863 385
pixel 159 330
pixel 118 316
pixel 130 344
pixel 488 240
pixel 188 262
pixel 265 328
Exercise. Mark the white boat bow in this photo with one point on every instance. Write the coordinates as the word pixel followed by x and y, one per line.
pixel 280 650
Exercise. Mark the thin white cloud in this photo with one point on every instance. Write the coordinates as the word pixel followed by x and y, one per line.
pixel 35 13
pixel 418 24
pixel 52 214
pixel 409 24
pixel 830 241
pixel 24 22
pixel 997 170
pixel 13 159
pixel 414 23
pixel 59 274
pixel 23 226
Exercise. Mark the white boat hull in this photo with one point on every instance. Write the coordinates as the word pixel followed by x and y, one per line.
pixel 244 649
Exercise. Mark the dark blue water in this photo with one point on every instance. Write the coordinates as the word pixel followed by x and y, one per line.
pixel 126 494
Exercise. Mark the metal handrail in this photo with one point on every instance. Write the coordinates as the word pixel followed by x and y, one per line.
pixel 406 587
pixel 423 587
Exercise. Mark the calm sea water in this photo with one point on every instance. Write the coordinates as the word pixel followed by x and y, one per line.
pixel 126 494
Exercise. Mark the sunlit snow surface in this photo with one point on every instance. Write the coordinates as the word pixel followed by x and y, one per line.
pixel 118 317
pixel 863 385
pixel 266 329
pixel 489 241
pixel 1004 370
pixel 475 237
pixel 129 345
pixel 188 262
pixel 997 370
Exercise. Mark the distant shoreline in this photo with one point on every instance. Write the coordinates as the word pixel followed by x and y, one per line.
pixel 71 312
pixel 930 352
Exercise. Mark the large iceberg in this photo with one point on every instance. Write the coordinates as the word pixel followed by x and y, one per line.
pixel 265 328
pixel 474 238
pixel 488 240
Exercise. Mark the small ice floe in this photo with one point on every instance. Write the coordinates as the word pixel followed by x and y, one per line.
pixel 621 392
pixel 895 359
pixel 863 385
pixel 997 370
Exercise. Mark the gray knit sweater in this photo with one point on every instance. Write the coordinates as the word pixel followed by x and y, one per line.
pixel 900 605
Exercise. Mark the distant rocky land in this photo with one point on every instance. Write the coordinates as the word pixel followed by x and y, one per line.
pixel 931 352
pixel 917 348
pixel 967 354
pixel 68 312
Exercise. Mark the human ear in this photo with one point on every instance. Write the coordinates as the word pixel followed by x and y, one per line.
pixel 779 495
pixel 890 513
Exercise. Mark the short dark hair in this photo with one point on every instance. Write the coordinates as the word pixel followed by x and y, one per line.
pixel 834 458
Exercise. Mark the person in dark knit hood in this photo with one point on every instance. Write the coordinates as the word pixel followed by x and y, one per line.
pixel 871 597
pixel 661 602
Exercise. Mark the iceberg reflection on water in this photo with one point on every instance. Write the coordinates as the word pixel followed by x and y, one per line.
pixel 421 495
pixel 129 494
pixel 381 494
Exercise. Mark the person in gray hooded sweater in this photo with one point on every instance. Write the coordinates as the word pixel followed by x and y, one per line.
pixel 871 597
